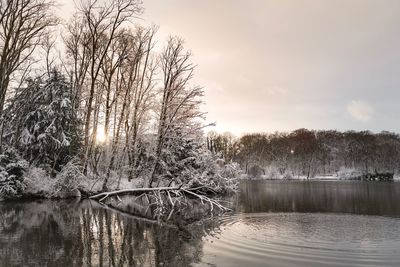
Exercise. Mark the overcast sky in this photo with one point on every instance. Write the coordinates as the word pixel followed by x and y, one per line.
pixel 274 65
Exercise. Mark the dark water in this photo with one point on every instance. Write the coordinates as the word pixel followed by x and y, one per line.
pixel 276 223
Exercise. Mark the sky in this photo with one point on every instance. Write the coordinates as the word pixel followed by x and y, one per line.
pixel 280 65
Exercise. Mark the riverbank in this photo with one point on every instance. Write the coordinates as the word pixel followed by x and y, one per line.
pixel 19 179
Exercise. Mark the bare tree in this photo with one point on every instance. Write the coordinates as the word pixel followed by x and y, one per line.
pixel 103 22
pixel 22 26
pixel 142 98
pixel 134 84
pixel 49 47
pixel 100 21
pixel 77 48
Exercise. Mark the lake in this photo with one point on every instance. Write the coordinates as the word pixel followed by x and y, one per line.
pixel 275 223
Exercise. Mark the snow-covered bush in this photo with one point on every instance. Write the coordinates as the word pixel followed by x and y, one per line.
pixel 68 180
pixel 38 182
pixel 12 169
pixel 10 185
pixel 211 174
pixel 229 177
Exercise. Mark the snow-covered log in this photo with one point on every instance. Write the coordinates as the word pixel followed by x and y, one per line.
pixel 162 196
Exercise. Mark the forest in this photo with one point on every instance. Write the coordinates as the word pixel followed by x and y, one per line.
pixel 308 153
pixel 98 103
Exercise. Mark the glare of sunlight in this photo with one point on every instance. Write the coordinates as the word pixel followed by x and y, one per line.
pixel 100 136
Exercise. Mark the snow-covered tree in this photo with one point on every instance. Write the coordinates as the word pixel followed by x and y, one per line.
pixel 180 101
pixel 42 121
pixel 186 160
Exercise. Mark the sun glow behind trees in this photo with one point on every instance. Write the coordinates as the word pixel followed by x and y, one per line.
pixel 101 136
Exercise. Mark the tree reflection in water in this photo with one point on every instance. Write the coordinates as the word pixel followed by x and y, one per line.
pixel 68 233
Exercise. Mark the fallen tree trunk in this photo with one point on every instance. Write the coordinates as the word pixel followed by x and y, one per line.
pixel 164 196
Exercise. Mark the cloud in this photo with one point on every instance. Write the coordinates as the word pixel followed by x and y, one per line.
pixel 360 110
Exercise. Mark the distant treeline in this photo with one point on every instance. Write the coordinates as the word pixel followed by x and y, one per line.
pixel 309 153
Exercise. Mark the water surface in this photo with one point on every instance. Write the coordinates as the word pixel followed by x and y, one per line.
pixel 275 223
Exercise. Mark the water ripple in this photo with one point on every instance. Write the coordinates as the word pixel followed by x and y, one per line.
pixel 304 239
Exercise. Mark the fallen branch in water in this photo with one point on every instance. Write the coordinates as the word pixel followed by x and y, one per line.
pixel 207 199
pixel 165 197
